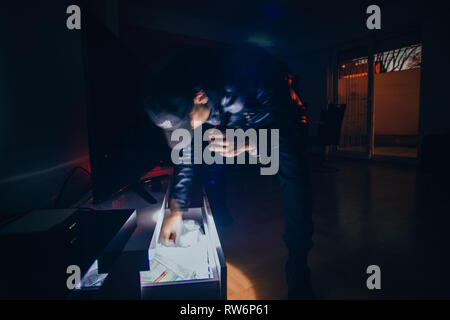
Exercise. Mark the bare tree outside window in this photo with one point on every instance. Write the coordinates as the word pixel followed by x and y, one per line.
pixel 405 58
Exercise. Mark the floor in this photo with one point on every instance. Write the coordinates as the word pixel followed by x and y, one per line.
pixel 388 151
pixel 365 214
pixel 408 152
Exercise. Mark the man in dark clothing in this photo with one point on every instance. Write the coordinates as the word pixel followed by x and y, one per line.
pixel 239 89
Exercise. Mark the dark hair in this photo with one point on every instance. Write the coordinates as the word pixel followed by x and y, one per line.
pixel 176 85
pixel 168 109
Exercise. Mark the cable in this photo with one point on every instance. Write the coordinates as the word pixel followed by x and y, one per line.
pixel 66 181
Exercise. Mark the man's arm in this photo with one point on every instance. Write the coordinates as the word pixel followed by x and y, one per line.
pixel 179 199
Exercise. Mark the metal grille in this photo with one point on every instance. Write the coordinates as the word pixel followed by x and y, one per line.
pixel 352 90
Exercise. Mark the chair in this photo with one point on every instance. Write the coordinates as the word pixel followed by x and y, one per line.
pixel 329 133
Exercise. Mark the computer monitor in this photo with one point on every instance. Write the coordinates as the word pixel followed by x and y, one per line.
pixel 124 144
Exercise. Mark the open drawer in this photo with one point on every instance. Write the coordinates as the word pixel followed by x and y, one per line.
pixel 194 268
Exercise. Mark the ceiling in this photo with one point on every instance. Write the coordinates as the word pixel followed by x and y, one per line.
pixel 283 26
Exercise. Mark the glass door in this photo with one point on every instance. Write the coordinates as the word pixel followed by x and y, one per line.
pixel 396 98
pixel 352 90
pixel 380 85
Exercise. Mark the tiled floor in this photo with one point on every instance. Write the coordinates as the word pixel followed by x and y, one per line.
pixel 367 213
pixel 408 152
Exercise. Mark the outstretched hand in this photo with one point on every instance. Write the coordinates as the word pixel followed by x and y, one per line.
pixel 218 143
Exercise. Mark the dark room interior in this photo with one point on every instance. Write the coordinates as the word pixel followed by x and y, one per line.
pixel 375 113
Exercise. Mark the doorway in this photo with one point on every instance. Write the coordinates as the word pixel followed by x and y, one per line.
pixel 382 92
pixel 353 91
pixel 396 96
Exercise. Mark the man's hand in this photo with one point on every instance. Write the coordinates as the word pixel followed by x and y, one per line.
pixel 218 143
pixel 201 110
pixel 172 227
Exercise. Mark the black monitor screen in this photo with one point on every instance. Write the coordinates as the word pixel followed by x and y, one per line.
pixel 123 142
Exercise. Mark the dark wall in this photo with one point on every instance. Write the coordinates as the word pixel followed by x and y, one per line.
pixel 434 103
pixel 43 132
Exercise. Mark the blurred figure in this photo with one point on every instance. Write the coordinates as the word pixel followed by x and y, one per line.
pixel 239 89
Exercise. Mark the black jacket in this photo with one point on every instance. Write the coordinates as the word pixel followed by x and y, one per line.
pixel 247 88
